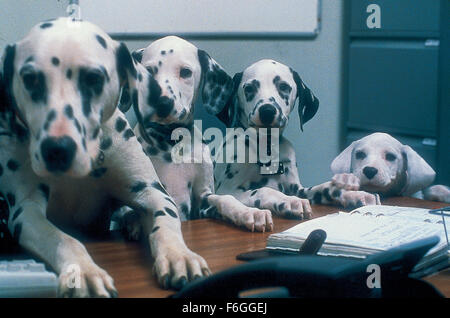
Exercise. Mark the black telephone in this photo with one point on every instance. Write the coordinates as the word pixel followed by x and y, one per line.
pixel 319 276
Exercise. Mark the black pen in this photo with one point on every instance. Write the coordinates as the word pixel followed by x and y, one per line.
pixel 313 242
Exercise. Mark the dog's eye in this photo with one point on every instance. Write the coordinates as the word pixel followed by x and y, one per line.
pixel 284 87
pixel 390 156
pixel 249 89
pixel 30 80
pixel 94 78
pixel 360 155
pixel 185 72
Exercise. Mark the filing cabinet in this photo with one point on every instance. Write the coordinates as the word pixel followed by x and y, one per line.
pixel 395 73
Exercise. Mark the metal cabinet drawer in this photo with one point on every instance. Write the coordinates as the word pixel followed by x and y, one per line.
pixel 396 17
pixel 393 85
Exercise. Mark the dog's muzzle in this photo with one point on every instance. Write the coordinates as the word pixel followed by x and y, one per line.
pixel 267 114
pixel 58 153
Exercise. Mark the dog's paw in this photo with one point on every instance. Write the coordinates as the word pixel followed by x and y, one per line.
pixel 255 219
pixel 346 181
pixel 355 199
pixel 294 207
pixel 83 281
pixel 437 193
pixel 177 265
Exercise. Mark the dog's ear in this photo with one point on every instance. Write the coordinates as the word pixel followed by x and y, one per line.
pixel 308 104
pixel 229 112
pixel 127 72
pixel 137 55
pixel 419 174
pixel 343 162
pixel 216 84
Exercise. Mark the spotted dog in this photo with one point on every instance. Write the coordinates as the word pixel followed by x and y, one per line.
pixel 69 156
pixel 182 74
pixel 264 96
pixel 379 163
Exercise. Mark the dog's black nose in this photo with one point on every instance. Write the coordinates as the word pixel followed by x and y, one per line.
pixel 58 153
pixel 164 106
pixel 267 114
pixel 370 172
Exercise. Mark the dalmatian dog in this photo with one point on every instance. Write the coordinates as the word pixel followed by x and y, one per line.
pixel 69 156
pixel 181 74
pixel 264 95
pixel 379 163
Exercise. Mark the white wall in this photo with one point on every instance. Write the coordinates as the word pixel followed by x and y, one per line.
pixel 317 60
pixel 18 16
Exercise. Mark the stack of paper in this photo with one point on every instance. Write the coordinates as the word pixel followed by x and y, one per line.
pixel 369 230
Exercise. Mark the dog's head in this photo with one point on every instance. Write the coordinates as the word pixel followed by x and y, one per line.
pixel 63 82
pixel 384 165
pixel 264 96
pixel 180 73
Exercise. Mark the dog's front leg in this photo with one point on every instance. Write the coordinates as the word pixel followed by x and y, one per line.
pixel 328 193
pixel 79 276
pixel 135 183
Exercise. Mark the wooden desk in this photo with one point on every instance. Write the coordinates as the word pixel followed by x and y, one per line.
pixel 219 243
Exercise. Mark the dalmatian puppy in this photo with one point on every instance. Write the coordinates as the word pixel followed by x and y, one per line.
pixel 379 163
pixel 264 95
pixel 69 156
pixel 181 74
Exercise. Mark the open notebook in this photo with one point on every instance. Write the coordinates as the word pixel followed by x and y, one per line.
pixel 371 229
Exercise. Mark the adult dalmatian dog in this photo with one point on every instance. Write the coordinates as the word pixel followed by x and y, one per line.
pixel 181 75
pixel 264 95
pixel 379 163
pixel 68 155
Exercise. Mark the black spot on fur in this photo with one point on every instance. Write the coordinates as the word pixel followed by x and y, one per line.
pixel 102 41
pixel 69 74
pixel 1 170
pixel 326 194
pixel 158 213
pixel 159 187
pixel 138 186
pixel 336 193
pixel 258 184
pixel 46 25
pixel 163 52
pixel 128 134
pixel 90 85
pixel 317 199
pixel 156 228
pixel 258 203
pixel 35 83
pixel 11 199
pixel 171 212
pixel 120 124
pixel 253 192
pixel 97 173
pixel 17 213
pixel 77 125
pixel 96 132
pixel 50 118
pixel 106 143
pixel 301 194
pixel 68 110
pixel 281 206
pixel 12 165
pixel 55 61
pixel 45 190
